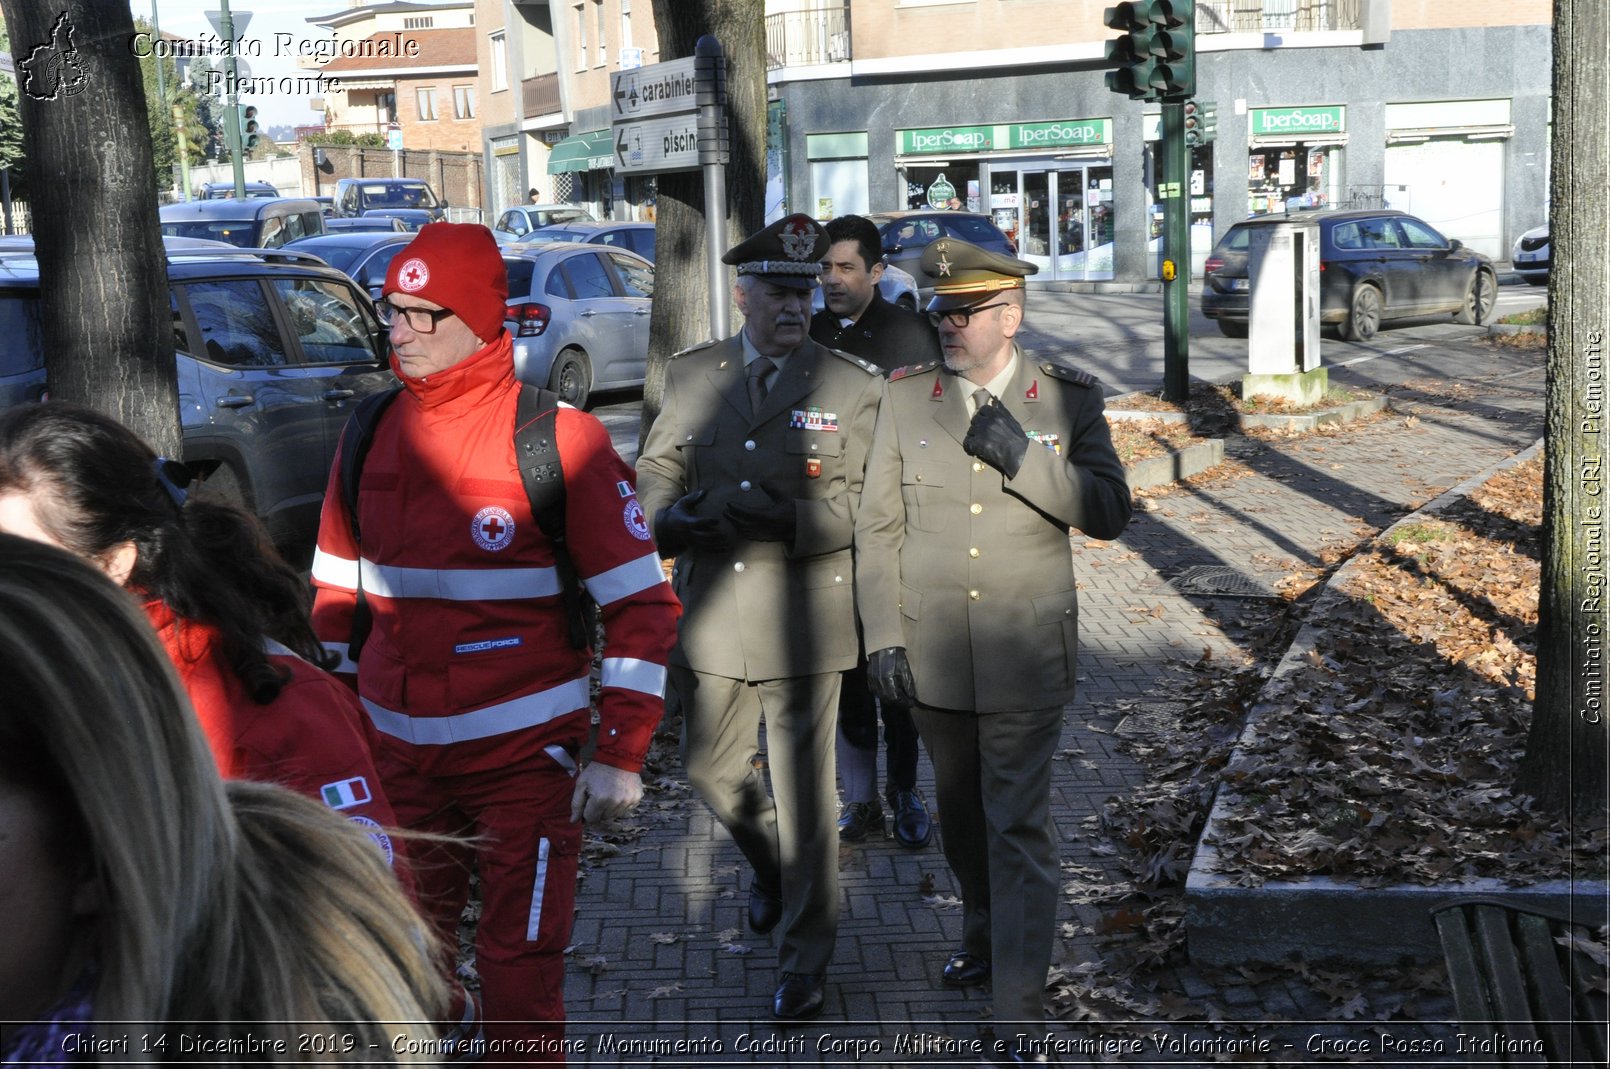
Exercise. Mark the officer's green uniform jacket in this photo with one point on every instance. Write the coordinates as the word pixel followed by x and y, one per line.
pixel 764 610
pixel 970 571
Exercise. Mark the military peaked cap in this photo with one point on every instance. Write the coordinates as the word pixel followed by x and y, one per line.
pixel 787 253
pixel 965 274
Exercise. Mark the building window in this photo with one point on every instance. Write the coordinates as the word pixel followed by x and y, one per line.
pixel 603 49
pixel 626 24
pixel 581 36
pixel 419 23
pixel 427 104
pixel 463 102
pixel 500 62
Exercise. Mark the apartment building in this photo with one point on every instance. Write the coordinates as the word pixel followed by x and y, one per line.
pixel 547 65
pixel 1437 107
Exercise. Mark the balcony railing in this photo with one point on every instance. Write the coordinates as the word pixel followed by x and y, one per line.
pixel 539 95
pixel 807 38
pixel 1260 16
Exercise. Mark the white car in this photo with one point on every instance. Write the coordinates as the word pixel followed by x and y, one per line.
pixel 1530 256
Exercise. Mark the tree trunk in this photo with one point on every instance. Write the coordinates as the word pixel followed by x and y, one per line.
pixel 1565 752
pixel 681 298
pixel 107 330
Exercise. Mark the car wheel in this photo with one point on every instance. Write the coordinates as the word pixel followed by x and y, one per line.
pixel 1363 316
pixel 1232 328
pixel 572 377
pixel 1479 301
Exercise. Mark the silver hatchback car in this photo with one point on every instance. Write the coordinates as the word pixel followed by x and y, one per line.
pixel 579 315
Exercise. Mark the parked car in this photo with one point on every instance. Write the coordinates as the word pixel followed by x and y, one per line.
pixel 226 190
pixel 327 205
pixel 249 224
pixel 907 233
pixel 409 219
pixel 897 287
pixel 362 255
pixel 385 224
pixel 1374 266
pixel 639 237
pixel 579 315
pixel 274 349
pixel 359 196
pixel 1530 257
pixel 519 221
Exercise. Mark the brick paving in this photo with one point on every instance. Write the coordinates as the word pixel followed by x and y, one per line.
pixel 661 952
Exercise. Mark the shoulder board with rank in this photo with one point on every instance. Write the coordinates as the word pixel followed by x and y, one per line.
pixel 865 365
pixel 693 348
pixel 912 369
pixel 1070 374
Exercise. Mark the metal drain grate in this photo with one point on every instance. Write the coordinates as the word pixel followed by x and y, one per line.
pixel 1157 718
pixel 1219 580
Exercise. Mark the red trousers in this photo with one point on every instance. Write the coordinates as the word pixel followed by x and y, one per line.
pixel 525 849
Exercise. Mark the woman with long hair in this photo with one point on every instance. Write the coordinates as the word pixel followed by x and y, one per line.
pixel 152 912
pixel 231 613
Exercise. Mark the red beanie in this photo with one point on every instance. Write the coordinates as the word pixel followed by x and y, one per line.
pixel 458 266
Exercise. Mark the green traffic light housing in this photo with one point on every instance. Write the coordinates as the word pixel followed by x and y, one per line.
pixel 1156 55
pixel 248 128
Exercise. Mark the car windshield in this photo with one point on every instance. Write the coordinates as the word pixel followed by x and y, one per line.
pixel 396 195
pixel 235 231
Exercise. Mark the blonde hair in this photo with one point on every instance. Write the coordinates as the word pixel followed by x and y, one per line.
pixel 246 914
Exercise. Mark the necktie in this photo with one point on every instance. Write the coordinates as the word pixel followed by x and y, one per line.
pixel 758 370
pixel 981 399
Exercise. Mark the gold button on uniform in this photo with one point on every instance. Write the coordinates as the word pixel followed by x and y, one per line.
pixel 973 594
pixel 978 465
pixel 919 478
pixel 973 552
pixel 976 508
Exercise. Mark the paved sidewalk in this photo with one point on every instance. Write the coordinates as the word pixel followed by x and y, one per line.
pixel 662 954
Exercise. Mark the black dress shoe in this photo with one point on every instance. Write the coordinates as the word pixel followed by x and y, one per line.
pixel 859 820
pixel 965 970
pixel 799 998
pixel 911 824
pixel 765 908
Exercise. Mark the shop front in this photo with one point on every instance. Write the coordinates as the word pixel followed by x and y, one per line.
pixel 1047 185
pixel 586 161
pixel 1296 160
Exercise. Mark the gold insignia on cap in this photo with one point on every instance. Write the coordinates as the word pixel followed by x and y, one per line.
pixel 798 240
pixel 944 262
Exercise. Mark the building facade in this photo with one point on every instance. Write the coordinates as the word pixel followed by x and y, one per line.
pixel 1436 107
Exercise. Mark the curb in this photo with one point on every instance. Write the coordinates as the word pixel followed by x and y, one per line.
pixel 1516 328
pixel 1320 918
pixel 1160 471
pixel 1307 421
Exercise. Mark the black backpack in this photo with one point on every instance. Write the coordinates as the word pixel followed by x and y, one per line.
pixel 536 450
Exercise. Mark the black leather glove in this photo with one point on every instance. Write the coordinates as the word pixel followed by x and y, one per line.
pixel 888 673
pixel 997 438
pixel 773 521
pixel 677 527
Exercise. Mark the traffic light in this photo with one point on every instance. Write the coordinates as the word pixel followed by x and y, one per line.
pixel 1156 54
pixel 1197 130
pixel 248 129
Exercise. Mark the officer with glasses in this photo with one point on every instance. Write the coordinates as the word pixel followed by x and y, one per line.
pixel 981 463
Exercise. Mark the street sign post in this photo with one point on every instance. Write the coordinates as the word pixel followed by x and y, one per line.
pixel 658 89
pixel 655 146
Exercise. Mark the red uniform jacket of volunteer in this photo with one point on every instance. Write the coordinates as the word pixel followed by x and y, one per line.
pixel 469 658
pixel 312 738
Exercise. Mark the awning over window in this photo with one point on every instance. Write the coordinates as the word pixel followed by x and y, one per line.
pixel 591 151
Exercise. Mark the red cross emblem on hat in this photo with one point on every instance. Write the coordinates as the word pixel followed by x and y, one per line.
pixel 415 275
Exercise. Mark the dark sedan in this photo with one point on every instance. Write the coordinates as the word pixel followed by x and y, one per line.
pixel 362 255
pixel 906 234
pixel 1373 266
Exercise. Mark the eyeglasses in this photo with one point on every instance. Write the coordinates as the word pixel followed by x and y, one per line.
pixel 960 317
pixel 420 320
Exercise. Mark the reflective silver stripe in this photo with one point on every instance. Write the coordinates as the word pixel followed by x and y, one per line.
pixel 335 571
pixel 534 918
pixel 277 649
pixel 561 757
pixel 625 580
pixel 633 674
pixel 530 711
pixel 341 650
pixel 459 584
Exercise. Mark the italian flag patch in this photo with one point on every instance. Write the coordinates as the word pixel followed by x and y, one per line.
pixel 346 793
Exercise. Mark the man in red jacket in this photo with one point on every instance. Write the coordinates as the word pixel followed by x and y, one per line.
pixel 469 672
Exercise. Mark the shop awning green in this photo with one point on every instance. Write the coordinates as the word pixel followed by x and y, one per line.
pixel 591 151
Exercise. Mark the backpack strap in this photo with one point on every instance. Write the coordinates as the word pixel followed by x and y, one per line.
pixel 356 437
pixel 536 452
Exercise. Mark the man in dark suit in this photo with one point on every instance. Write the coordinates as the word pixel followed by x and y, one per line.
pixel 860 320
pixel 753 474
pixel 980 465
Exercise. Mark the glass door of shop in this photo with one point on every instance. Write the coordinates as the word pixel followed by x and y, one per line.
pixel 1060 218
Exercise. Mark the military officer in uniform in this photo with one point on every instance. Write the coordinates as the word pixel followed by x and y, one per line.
pixel 980 465
pixel 753 473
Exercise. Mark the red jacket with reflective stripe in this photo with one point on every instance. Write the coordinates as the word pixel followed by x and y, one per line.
pixel 469 659
pixel 312 738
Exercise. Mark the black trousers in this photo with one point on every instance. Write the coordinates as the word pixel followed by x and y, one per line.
pixel 858 719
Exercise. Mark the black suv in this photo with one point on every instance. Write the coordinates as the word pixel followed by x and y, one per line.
pixel 275 348
pixel 1374 266
pixel 906 234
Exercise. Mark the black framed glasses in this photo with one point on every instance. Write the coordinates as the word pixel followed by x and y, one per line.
pixel 960 317
pixel 420 320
